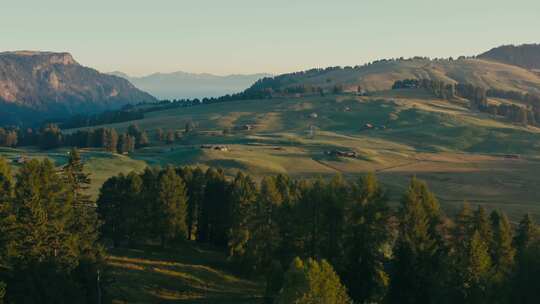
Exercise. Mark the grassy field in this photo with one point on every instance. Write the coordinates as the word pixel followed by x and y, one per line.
pixel 462 154
pixel 188 274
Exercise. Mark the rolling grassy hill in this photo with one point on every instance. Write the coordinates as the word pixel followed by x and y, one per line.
pixel 381 75
pixel 463 154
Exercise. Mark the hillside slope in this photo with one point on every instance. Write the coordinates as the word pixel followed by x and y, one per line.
pixel 465 155
pixel 188 85
pixel 38 85
pixel 381 75
pixel 526 55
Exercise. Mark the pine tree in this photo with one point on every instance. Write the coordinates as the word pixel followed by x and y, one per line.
pixel 43 212
pixel 310 211
pixel 85 222
pixel 418 250
pixel 110 140
pixel 526 233
pixel 312 282
pixel 525 283
pixel 215 212
pixel 502 255
pixel 527 245
pixel 7 217
pixel 336 200
pixel 119 206
pixel 242 197
pixel 6 182
pixel 463 226
pixel 143 140
pixel 172 204
pixel 481 224
pixel 475 271
pixel 150 213
pixel 195 182
pixel 265 236
pixel 368 234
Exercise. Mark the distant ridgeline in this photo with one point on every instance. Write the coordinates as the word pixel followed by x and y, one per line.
pixel 136 112
pixel 527 113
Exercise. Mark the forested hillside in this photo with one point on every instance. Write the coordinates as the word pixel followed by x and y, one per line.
pixel 338 240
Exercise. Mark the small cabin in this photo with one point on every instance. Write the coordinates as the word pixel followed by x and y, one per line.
pixel 20 159
pixel 218 148
pixel 244 127
pixel 511 156
pixel 337 153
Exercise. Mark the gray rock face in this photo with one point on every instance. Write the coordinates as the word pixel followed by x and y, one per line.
pixel 48 84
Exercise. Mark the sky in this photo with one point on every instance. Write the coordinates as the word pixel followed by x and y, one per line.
pixel 252 36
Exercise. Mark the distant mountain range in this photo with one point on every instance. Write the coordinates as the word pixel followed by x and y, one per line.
pixel 526 55
pixel 41 85
pixel 179 85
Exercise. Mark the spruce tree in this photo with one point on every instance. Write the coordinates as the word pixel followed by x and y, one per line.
pixel 85 223
pixel 481 224
pixel 525 284
pixel 368 234
pixel 417 251
pixel 265 234
pixel 312 282
pixel 172 205
pixel 6 182
pixel 475 271
pixel 502 255
pixel 242 198
pixel 336 199
pixel 526 233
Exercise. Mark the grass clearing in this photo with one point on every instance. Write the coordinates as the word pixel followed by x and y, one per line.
pixel 191 273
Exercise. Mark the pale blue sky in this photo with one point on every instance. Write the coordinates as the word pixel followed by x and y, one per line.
pixel 246 36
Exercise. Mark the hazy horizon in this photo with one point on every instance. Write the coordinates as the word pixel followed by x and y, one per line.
pixel 247 37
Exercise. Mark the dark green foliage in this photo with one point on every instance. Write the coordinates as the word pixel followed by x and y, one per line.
pixel 502 256
pixel 126 143
pixel 311 282
pixel 171 207
pixel 368 237
pixel 525 283
pixel 243 194
pixel 471 262
pixel 428 259
pixel 418 251
pixel 51 137
pixel 49 241
pixel 8 138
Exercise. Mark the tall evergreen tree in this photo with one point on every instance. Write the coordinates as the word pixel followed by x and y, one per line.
pixel 336 200
pixel 172 205
pixel 418 251
pixel 471 258
pixel 242 198
pixel 312 282
pixel 265 234
pixel 502 255
pixel 85 222
pixel 368 235
pixel 526 233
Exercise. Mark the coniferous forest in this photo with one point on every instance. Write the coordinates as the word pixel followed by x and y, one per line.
pixel 312 241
